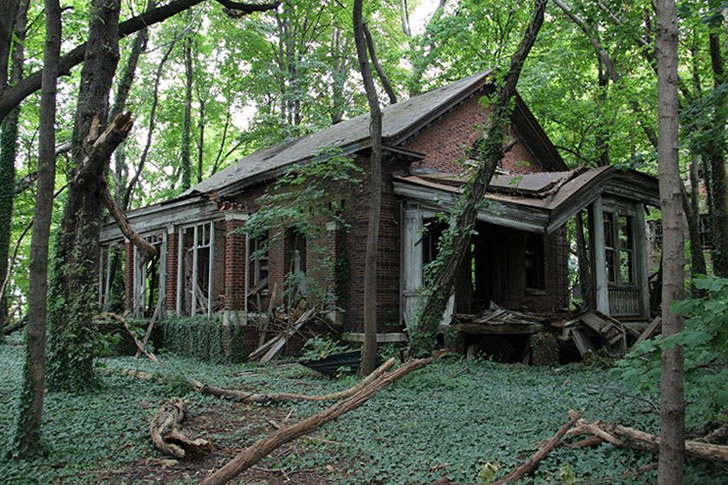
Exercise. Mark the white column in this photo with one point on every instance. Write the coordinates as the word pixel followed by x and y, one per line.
pixel 180 267
pixel 640 257
pixel 210 270
pixel 195 241
pixel 601 285
pixel 411 260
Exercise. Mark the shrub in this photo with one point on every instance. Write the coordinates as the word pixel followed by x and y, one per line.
pixel 705 339
pixel 205 339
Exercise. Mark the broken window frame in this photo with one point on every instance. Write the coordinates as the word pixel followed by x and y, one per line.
pixel 205 227
pixel 614 221
pixel 139 277
pixel 106 257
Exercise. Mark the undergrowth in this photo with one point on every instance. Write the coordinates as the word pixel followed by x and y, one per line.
pixel 452 417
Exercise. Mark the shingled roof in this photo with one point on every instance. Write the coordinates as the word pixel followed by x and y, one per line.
pixel 350 135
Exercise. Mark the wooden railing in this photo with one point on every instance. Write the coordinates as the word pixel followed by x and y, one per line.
pixel 624 301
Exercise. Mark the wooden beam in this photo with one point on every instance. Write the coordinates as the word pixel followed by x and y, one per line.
pixel 639 241
pixel 504 329
pixel 180 267
pixel 211 270
pixel 596 220
pixel 193 297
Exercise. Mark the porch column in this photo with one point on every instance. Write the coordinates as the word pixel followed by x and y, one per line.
pixel 412 231
pixel 129 276
pixel 601 286
pixel 640 254
pixel 236 268
pixel 171 271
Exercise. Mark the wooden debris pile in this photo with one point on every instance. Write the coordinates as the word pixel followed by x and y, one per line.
pixel 302 322
pixel 587 331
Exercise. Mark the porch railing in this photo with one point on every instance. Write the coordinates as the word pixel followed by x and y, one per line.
pixel 624 301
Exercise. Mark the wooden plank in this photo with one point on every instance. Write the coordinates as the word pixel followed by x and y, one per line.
pixel 583 344
pixel 195 242
pixel 504 329
pixel 278 345
pixel 594 321
pixel 596 219
pixel 649 331
pixel 382 338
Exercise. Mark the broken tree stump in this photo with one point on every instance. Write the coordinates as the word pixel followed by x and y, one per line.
pixel 167 437
pixel 262 448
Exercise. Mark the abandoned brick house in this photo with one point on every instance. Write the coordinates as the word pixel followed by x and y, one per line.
pixel 519 256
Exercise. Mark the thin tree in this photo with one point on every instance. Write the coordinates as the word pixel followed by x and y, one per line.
pixel 456 239
pixel 186 164
pixel 369 356
pixel 672 404
pixel 27 432
pixel 8 145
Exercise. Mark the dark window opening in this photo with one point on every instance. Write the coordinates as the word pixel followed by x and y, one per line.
pixel 534 263
pixel 619 248
pixel 259 259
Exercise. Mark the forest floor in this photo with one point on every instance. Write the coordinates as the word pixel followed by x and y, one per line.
pixel 451 417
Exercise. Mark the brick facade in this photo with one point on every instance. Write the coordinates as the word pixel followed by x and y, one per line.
pixel 446 141
pixel 235 270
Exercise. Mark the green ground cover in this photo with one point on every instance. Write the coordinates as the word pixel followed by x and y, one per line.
pixel 452 417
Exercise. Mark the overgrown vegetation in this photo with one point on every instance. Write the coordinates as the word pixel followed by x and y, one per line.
pixel 705 340
pixel 205 339
pixel 308 202
pixel 452 417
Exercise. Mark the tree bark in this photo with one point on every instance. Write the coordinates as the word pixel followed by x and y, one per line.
pixel 75 272
pixel 262 448
pixel 369 355
pixel 715 153
pixel 186 164
pixel 8 145
pixel 28 433
pixel 672 405
pixel 454 244
pixel 167 437
pixel 378 67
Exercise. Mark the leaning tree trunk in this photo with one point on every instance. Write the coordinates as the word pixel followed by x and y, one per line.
pixel 8 144
pixel 73 284
pixel 369 356
pixel 456 240
pixel 27 432
pixel 672 404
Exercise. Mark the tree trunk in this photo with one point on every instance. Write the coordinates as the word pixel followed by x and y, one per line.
pixel 186 164
pixel 672 405
pixel 369 355
pixel 715 154
pixel 456 240
pixel 8 144
pixel 27 433
pixel 75 275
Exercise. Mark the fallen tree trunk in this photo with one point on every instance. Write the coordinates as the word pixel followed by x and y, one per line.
pixel 242 396
pixel 167 437
pixel 625 437
pixel 264 447
pixel 531 464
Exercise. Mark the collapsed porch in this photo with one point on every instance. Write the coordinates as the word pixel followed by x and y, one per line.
pixel 520 255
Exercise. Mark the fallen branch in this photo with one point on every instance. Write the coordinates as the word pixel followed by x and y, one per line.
pixel 166 436
pixel 138 344
pixel 251 455
pixel 625 437
pixel 531 464
pixel 242 396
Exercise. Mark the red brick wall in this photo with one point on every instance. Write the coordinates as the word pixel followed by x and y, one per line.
pixel 234 266
pixel 129 277
pixel 172 255
pixel 387 254
pixel 444 143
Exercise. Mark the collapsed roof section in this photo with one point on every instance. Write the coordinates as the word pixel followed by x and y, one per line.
pixel 539 202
